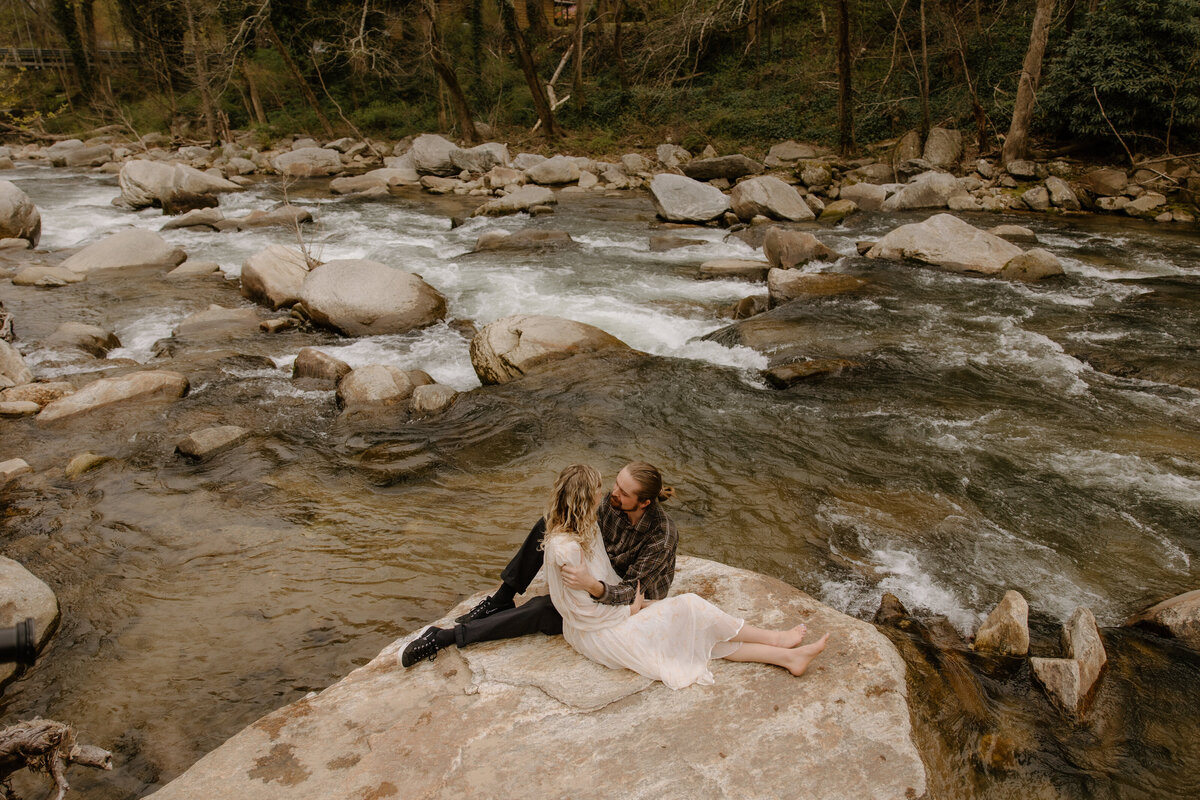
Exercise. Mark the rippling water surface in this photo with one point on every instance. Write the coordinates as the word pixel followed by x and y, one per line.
pixel 994 436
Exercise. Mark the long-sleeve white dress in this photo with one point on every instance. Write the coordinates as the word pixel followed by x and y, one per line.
pixel 670 640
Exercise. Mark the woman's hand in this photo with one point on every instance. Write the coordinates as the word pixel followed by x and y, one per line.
pixel 639 601
pixel 576 576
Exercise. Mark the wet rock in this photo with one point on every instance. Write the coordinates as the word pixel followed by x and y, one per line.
pixel 431 155
pixel 88 338
pixel 528 240
pixel 784 285
pixel 1037 198
pixel 792 372
pixel 204 444
pixel 18 408
pixel 47 277
pixel 383 178
pixel 867 196
pixel 23 595
pixel 127 249
pixel 200 218
pixel 286 216
pixel 153 183
pixel 1145 206
pixel 40 393
pixel 553 171
pixel 515 346
pixel 94 156
pixel 10 470
pixel 728 167
pixel 1081 641
pixel 928 190
pixel 943 147
pixel 846 720
pixel 737 269
pixel 682 199
pixel 192 269
pixel 664 242
pixel 1022 169
pixel 1032 265
pixel 768 196
pixel 218 322
pixel 748 307
pixel 13 371
pixel 838 210
pixel 1177 618
pixel 1014 233
pixel 273 277
pixel 1061 194
pixel 309 162
pixel 313 364
pixel 1006 629
pixel 83 463
pixel 1106 182
pixel 358 297
pixel 431 399
pixel 947 242
pixel 373 386
pixel 787 249
pixel 525 198
pixel 436 185
pixel 19 217
pixel 814 174
pixel 109 393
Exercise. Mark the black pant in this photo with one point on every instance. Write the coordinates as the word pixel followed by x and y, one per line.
pixel 537 615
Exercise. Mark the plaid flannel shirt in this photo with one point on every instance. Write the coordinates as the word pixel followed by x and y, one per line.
pixel 642 553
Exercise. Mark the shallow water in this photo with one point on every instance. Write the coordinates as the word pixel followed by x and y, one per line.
pixel 976 449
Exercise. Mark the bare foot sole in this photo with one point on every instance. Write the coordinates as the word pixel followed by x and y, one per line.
pixel 793 638
pixel 801 657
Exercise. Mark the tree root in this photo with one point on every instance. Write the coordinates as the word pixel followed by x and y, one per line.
pixel 45 746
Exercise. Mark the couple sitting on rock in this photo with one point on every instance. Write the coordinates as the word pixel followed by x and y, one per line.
pixel 610 566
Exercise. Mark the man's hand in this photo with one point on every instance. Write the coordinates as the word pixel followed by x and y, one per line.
pixel 576 576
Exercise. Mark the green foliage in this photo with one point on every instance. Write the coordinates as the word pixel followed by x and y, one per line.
pixel 1136 61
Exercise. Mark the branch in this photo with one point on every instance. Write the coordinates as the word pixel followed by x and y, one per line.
pixel 46 746
pixel 1096 94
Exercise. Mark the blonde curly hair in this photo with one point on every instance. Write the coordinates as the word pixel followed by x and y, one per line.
pixel 572 508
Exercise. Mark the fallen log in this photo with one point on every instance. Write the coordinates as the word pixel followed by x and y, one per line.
pixel 45 746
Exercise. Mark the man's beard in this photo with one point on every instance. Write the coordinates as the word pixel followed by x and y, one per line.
pixel 616 504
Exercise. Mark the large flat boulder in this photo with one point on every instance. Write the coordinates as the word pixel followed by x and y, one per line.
pixel 553 171
pixel 523 199
pixel 947 242
pixel 433 155
pixel 728 167
pixel 678 198
pixel 514 346
pixel 126 249
pixel 109 393
pixel 273 276
pixel 154 183
pixel 499 718
pixel 309 162
pixel 383 178
pixel 927 190
pixel 359 297
pixel 768 196
pixel 19 217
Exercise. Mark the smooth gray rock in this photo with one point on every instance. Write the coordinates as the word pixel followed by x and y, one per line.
pixel 877 174
pixel 47 277
pixel 672 156
pixel 1032 265
pixel 1006 629
pixel 770 197
pixel 1145 206
pixel 19 217
pixel 377 178
pixel 314 364
pixel 197 218
pixel 527 240
pixel 24 595
pixel 13 370
pixel 947 242
pixel 515 346
pixel 943 147
pixel 431 155
pixel 928 190
pixel 153 183
pixel 1037 198
pixel 481 158
pixel 192 269
pixel 908 147
pixel 838 210
pixel 784 285
pixel 273 276
pixel 681 199
pixel 1022 169
pixel 790 151
pixel 1014 233
pixel 89 338
pixel 735 269
pixel 523 199
pixel 373 386
pixel 93 156
pixel 309 162
pixel 469 724
pixel 126 249
pixel 728 167
pixel 1177 617
pixel 208 442
pixel 867 196
pixel 359 297
pixel 1107 182
pixel 787 249
pixel 1061 194
pixel 431 399
pixel 151 386
pixel 553 171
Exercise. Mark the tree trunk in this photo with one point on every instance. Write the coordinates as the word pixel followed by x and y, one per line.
pixel 441 65
pixel 1016 144
pixel 255 97
pixel 63 12
pixel 581 12
pixel 302 84
pixel 199 57
pixel 924 77
pixel 622 72
pixel 845 108
pixel 540 101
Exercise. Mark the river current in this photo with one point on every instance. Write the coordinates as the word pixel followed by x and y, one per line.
pixel 993 436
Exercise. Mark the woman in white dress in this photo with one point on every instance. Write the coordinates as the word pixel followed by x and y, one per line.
pixel 670 640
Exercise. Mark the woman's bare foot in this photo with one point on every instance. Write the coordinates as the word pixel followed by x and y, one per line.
pixel 793 637
pixel 800 657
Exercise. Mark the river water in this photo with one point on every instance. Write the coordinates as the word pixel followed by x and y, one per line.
pixel 992 436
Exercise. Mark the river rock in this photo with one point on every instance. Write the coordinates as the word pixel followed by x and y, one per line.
pixel 943 147
pixel 787 249
pixel 192 269
pixel 94 156
pixel 1032 265
pixel 927 190
pixel 661 243
pixel 1014 233
pixel 23 595
pixel 373 386
pixel 1022 169
pixel 1177 618
pixel 947 242
pixel 514 346
pixel 1060 678
pixel 431 155
pixel 108 393
pixel 431 399
pixel 313 364
pixel 83 463
pixel 681 199
pixel 204 444
pixel 169 186
pixel 1145 206
pixel 559 169
pixel 874 174
pixel 287 216
pixel 503 177
pixel 13 371
pixel 908 147
pixel 1037 198
pixel 728 167
pixel 528 240
pixel 737 269
pixel 40 393
pixel 867 196
pixel 19 217
pixel 308 162
pixel 814 174
pixel 47 277
pixel 481 158
pixel 135 247
pixel 273 276
pixel 1081 641
pixel 1107 182
pixel 841 731
pixel 18 408
pixel 218 322
pixel 1061 194
pixel 377 178
pixel 1006 629
pixel 789 152
pixel 12 469
pixel 80 336
pixel 782 376
pixel 838 210
pixel 358 297
pixel 524 199
pixel 197 218
pixel 784 285
pixel 770 197
pixel 672 156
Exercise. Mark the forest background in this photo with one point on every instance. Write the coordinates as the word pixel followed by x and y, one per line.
pixel 1117 77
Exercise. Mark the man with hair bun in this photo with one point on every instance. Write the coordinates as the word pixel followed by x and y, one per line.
pixel 640 540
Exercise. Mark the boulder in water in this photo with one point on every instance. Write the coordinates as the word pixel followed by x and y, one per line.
pixel 203 444
pixel 432 155
pixel 81 336
pixel 19 217
pixel 127 249
pixel 787 249
pixel 681 199
pixel 13 371
pixel 373 386
pixel 552 171
pixel 927 190
pixel 1177 618
pixel 768 196
pixel 524 199
pixel 358 297
pixel 273 276
pixel 313 364
pixel 1006 629
pixel 109 393
pixel 514 346
pixel 23 595
pixel 947 242
pixel 309 162
pixel 481 158
pixel 172 187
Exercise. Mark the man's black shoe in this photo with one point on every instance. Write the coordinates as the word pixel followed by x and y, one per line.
pixel 421 648
pixel 485 608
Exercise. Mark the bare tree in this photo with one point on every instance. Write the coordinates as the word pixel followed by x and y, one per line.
pixel 529 68
pixel 1016 144
pixel 445 72
pixel 845 107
